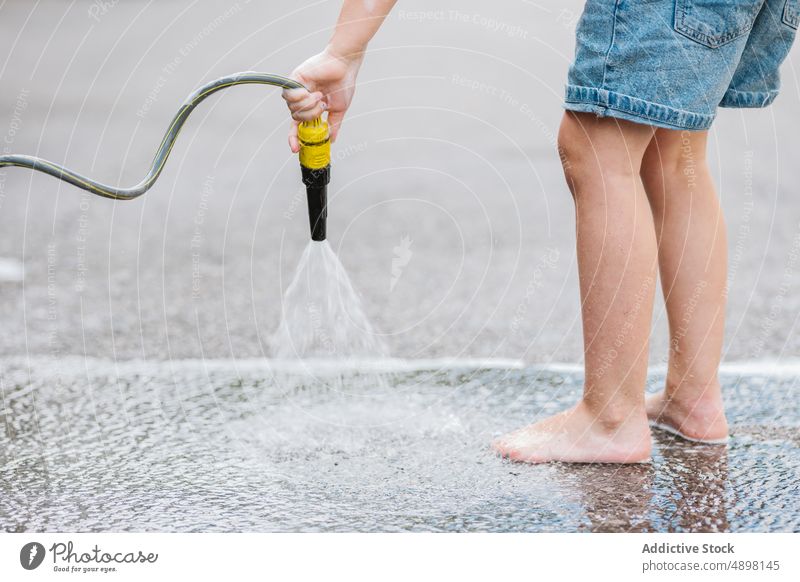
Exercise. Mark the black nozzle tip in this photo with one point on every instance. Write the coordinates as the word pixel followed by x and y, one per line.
pixel 316 182
pixel 318 212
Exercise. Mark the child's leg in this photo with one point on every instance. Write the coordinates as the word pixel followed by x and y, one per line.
pixel 692 256
pixel 617 267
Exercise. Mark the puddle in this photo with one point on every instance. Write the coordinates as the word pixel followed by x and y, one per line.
pixel 94 445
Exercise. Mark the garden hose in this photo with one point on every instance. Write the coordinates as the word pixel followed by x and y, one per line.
pixel 315 149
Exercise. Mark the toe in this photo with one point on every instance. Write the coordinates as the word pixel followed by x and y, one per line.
pixel 500 447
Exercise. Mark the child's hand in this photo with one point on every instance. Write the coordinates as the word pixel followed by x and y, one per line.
pixel 330 80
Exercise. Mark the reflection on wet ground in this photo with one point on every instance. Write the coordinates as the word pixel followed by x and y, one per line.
pixel 90 445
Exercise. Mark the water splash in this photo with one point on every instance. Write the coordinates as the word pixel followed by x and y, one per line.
pixel 323 322
pixel 148 449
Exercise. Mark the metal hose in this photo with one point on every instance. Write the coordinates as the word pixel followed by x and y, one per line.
pixel 115 193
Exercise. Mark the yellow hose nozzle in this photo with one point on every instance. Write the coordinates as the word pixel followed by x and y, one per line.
pixel 315 144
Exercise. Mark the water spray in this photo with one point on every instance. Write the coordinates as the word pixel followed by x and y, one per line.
pixel 314 153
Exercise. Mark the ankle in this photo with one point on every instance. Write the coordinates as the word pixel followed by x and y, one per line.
pixel 688 393
pixel 612 417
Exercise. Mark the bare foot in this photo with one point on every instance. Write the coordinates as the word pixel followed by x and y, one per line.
pixel 576 436
pixel 698 419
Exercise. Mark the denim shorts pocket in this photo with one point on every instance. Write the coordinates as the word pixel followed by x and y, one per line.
pixel 714 23
pixel 791 13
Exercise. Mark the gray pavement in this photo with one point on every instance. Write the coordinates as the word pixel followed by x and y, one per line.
pixel 450 143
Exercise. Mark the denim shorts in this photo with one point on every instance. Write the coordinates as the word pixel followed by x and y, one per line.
pixel 670 63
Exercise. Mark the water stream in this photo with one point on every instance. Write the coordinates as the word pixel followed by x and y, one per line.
pixel 324 327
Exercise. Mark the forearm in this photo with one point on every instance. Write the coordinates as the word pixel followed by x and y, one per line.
pixel 358 22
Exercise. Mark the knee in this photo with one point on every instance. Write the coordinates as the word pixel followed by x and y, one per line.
pixel 590 157
pixel 574 151
pixel 565 147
